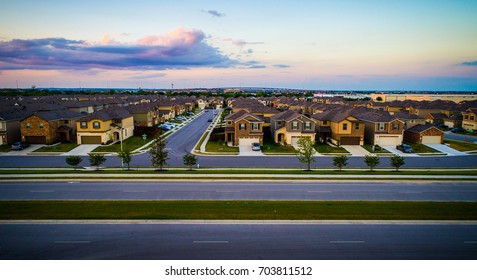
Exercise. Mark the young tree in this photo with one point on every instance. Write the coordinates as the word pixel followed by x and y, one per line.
pixel 190 160
pixel 96 159
pixel 340 161
pixel 306 151
pixel 397 161
pixel 371 161
pixel 158 153
pixel 125 157
pixel 73 161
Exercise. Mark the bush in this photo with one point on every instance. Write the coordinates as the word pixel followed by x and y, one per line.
pixel 73 161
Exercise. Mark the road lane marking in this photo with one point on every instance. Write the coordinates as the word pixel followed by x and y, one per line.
pixel 134 191
pixel 210 242
pixel 73 182
pixel 347 242
pixel 228 191
pixel 42 191
pixel 72 242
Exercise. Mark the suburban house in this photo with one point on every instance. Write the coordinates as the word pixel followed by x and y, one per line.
pixel 453 121
pixel 144 114
pixel 409 119
pixel 381 128
pixel 104 126
pixel 243 128
pixel 339 127
pixel 469 119
pixel 424 134
pixel 49 127
pixel 287 127
pixel 10 126
pixel 436 118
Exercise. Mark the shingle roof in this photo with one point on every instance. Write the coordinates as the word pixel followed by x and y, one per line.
pixel 421 128
pixel 108 114
pixel 59 115
pixel 240 115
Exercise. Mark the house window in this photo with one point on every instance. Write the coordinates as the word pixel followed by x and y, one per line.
pixel 356 126
pixel 395 126
pixel 307 125
pixel 242 126
pixel 65 121
pixel 345 126
pixel 41 125
pixel 325 122
pixel 84 125
pixel 471 117
pixel 229 123
pixel 255 126
pixel 96 125
pixel 27 125
pixel 466 117
pixel 381 126
pixel 116 121
pixel 294 125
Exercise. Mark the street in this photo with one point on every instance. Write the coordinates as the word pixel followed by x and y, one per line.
pixel 228 241
pixel 206 190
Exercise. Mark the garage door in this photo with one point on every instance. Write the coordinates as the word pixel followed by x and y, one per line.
pixel 248 141
pixel 294 141
pixel 36 139
pixel 388 141
pixel 431 140
pixel 90 139
pixel 349 141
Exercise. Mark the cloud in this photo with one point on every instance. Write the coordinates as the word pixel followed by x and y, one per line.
pixel 253 64
pixel 179 49
pixel 281 66
pixel 470 63
pixel 213 13
pixel 147 76
pixel 242 43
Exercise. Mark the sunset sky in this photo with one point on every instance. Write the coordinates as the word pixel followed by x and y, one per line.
pixel 304 44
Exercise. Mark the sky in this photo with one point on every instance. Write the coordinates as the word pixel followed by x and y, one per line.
pixel 301 44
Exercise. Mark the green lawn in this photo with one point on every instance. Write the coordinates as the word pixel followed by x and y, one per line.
pixel 130 144
pixel 461 145
pixel 421 149
pixel 239 210
pixel 377 149
pixel 5 148
pixel 63 147
pixel 270 147
pixel 220 147
pixel 327 149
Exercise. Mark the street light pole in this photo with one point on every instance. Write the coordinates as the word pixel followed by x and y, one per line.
pixel 121 141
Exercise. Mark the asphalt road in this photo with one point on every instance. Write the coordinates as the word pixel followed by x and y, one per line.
pixel 237 241
pixel 292 190
pixel 184 140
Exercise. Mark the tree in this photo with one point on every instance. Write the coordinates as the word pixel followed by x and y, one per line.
pixel 158 153
pixel 96 159
pixel 306 151
pixel 397 161
pixel 190 160
pixel 125 157
pixel 73 161
pixel 371 161
pixel 340 161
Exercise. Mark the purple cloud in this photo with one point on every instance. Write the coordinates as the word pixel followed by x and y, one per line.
pixel 470 63
pixel 179 49
pixel 282 66
pixel 213 13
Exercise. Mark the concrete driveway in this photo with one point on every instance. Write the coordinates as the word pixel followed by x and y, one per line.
pixel 81 150
pixel 395 151
pixel 446 150
pixel 356 150
pixel 246 150
pixel 23 152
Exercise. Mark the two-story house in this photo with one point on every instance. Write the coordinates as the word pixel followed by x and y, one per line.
pixel 104 126
pixel 381 128
pixel 49 127
pixel 287 127
pixel 243 128
pixel 144 114
pixel 339 127
pixel 469 119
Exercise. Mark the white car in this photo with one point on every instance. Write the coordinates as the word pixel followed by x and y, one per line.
pixel 255 146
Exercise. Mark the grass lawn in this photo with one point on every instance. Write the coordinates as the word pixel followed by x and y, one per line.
pixel 327 149
pixel 270 147
pixel 377 149
pixel 239 210
pixel 63 147
pixel 5 148
pixel 461 145
pixel 220 147
pixel 422 149
pixel 130 144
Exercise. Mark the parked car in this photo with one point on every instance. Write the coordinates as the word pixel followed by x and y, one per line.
pixel 404 148
pixel 190 113
pixel 172 125
pixel 165 127
pixel 180 118
pixel 441 126
pixel 210 120
pixel 20 145
pixel 458 130
pixel 255 146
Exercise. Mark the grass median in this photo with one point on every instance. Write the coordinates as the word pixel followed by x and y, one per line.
pixel 238 210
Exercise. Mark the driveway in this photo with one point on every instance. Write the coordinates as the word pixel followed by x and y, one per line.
pixel 395 151
pixel 246 150
pixel 23 152
pixel 356 150
pixel 81 150
pixel 446 150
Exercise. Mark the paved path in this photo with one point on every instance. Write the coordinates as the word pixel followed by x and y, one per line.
pixel 356 150
pixel 395 151
pixel 446 150
pixel 81 150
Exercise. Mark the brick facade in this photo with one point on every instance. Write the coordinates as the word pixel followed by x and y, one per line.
pixel 416 137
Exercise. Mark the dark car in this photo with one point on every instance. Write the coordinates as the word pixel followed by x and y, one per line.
pixel 20 145
pixel 441 126
pixel 404 148
pixel 210 120
pixel 458 130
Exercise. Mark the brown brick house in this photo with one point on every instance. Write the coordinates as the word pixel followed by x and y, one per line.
pixel 48 127
pixel 243 128
pixel 287 127
pixel 424 134
pixel 340 127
